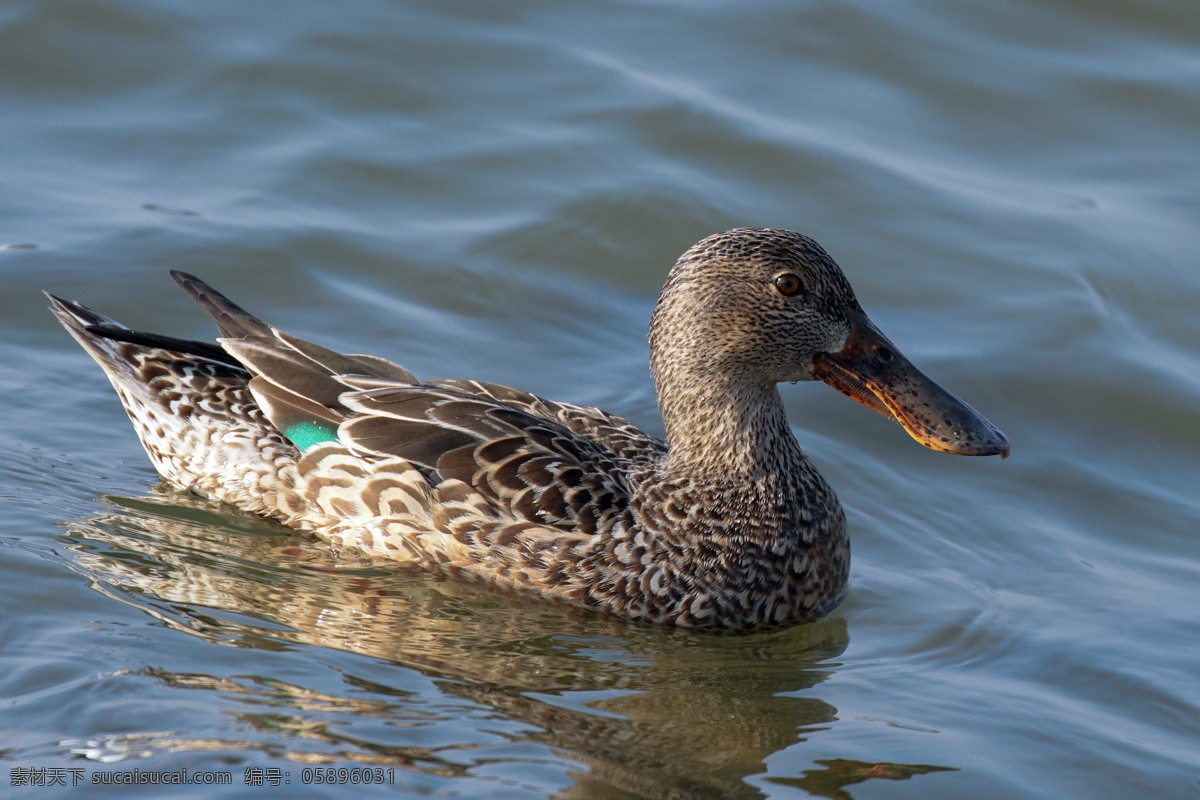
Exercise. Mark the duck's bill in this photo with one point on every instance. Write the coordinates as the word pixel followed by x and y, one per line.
pixel 872 371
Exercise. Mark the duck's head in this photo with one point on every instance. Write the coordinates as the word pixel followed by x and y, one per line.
pixel 760 306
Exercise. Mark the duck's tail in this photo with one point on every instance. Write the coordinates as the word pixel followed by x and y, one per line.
pixel 101 336
pixel 190 405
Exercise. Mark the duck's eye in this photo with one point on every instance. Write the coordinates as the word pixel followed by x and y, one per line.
pixel 788 284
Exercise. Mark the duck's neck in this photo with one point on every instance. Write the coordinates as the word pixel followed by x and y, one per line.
pixel 720 426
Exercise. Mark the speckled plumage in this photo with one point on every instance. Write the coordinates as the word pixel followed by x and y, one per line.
pixel 727 526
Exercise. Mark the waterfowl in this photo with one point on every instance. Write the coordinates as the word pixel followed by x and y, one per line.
pixel 725 524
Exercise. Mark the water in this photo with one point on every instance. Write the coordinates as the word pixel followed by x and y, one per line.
pixel 497 191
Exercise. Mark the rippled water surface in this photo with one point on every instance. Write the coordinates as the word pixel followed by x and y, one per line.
pixel 497 190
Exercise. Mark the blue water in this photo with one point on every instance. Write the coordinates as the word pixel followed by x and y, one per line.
pixel 497 192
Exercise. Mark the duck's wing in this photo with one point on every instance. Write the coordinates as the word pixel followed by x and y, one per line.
pixel 532 460
pixel 526 468
pixel 623 440
pixel 529 467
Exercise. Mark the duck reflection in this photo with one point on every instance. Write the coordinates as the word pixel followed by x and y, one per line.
pixel 643 711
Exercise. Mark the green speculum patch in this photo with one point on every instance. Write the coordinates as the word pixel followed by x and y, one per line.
pixel 307 435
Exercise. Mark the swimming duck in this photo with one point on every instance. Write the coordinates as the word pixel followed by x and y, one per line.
pixel 725 524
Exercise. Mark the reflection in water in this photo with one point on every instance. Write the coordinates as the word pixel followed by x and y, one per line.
pixel 838 773
pixel 640 710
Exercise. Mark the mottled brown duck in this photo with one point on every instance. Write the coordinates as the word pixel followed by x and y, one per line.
pixel 724 524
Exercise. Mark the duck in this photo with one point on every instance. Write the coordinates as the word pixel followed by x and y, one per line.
pixel 724 523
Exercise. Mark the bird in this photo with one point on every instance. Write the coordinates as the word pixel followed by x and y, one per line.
pixel 724 523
